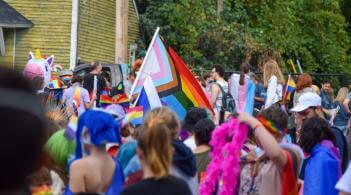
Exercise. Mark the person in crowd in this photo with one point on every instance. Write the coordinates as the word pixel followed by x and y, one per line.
pixel 191 118
pixel 276 170
pixel 260 92
pixel 203 130
pixel 184 162
pixel 322 168
pixel 217 74
pixel 23 123
pixel 137 65
pixel 303 85
pixel 88 81
pixel 208 82
pixel 346 103
pixel 94 170
pixel 240 88
pixel 49 178
pixel 156 157
pixel 344 184
pixel 273 80
pixel 310 105
pixel 341 116
pixel 326 95
pixel 129 83
pixel 76 98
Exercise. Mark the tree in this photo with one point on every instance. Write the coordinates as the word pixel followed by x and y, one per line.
pixel 313 31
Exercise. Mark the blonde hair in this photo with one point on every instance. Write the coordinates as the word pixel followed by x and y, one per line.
pixel 271 68
pixel 160 126
pixel 342 94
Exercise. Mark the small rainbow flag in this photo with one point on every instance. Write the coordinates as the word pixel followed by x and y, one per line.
pixel 290 88
pixel 134 115
pixel 55 84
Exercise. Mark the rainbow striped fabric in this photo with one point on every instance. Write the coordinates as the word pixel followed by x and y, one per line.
pixel 122 100
pixel 175 84
pixel 290 88
pixel 134 115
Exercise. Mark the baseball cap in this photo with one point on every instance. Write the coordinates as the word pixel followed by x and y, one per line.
pixel 307 100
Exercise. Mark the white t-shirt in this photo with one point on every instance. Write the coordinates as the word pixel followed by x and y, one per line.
pixel 190 142
pixel 344 183
pixel 274 92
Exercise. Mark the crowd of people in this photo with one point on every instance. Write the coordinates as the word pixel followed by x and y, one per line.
pixel 299 145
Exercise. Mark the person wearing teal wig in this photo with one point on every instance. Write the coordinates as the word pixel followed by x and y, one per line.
pixel 94 171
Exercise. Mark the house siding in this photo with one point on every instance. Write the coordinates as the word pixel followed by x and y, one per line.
pixel 96 30
pixel 133 24
pixel 50 32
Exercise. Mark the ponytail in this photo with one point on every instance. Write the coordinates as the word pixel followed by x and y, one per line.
pixel 156 144
pixel 244 69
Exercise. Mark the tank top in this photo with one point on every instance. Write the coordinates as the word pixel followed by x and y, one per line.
pixel 224 85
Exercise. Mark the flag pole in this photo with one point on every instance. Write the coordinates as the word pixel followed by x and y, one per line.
pixel 143 64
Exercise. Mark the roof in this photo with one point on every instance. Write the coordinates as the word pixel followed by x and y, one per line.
pixel 11 18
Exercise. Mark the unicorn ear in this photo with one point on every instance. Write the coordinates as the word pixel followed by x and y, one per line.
pixel 30 56
pixel 50 60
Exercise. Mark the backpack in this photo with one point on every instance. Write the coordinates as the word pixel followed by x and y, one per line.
pixel 228 103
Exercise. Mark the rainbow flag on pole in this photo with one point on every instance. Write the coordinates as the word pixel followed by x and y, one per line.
pixel 175 84
pixel 290 88
pixel 134 115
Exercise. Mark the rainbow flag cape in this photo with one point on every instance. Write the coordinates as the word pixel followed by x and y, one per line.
pixel 290 88
pixel 175 84
pixel 106 100
pixel 123 100
pixel 134 115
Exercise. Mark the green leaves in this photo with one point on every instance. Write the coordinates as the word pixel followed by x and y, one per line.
pixel 313 31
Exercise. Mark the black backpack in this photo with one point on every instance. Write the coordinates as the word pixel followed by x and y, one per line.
pixel 228 103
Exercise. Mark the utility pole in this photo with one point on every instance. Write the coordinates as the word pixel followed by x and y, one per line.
pixel 121 45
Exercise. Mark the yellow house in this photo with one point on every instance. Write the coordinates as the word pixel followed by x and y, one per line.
pixel 69 29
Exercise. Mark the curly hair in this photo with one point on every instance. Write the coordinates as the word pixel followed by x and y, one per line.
pixel 313 131
pixel 303 81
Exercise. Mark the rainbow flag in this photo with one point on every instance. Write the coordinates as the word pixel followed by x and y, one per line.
pixel 123 100
pixel 290 88
pixel 106 100
pixel 175 84
pixel 134 115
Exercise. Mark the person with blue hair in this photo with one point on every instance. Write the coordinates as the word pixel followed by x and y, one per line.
pixel 94 170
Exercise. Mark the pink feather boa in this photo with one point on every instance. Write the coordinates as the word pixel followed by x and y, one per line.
pixel 225 158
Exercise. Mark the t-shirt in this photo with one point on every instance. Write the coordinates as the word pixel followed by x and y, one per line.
pixel 88 83
pixel 344 183
pixel 68 96
pixel 263 177
pixel 260 92
pixel 151 186
pixel 202 160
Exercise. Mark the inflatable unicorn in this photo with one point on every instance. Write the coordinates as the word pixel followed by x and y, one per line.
pixel 37 66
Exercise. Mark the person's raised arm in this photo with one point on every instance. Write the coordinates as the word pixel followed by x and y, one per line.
pixel 266 140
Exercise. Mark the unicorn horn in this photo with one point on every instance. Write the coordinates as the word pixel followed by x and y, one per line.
pixel 37 54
